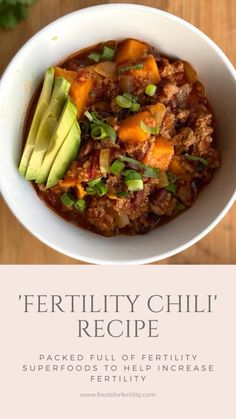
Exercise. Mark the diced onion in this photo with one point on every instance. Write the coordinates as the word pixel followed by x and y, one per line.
pixel 122 220
pixel 106 68
pixel 104 160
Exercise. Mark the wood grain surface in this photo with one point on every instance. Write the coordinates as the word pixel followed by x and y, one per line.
pixel 217 18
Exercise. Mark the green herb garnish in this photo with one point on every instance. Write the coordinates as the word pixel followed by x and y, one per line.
pixel 13 11
pixel 117 167
pixel 103 127
pixel 150 130
pixel 94 182
pixel 151 90
pixel 98 132
pixel 171 188
pixel 67 200
pixel 196 158
pixel 80 205
pixel 108 53
pixel 123 102
pixel 131 97
pixel 96 187
pixel 172 179
pixel 148 171
pixel 122 194
pixel 94 56
pixel 135 107
pixel 126 68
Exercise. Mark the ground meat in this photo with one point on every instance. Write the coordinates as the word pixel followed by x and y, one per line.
pixel 183 94
pixel 138 151
pixel 168 125
pixel 185 193
pixel 184 139
pixel 170 89
pixel 203 130
pixel 100 214
pixel 163 202
pixel 172 71
pixel 143 224
pixel 182 115
pixel 213 158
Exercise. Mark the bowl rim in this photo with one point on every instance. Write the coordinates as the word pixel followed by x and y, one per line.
pixel 139 261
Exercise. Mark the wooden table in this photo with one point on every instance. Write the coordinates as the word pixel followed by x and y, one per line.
pixel 217 18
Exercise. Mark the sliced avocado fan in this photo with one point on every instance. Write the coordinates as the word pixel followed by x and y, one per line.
pixel 65 123
pixel 42 105
pixel 47 126
pixel 65 156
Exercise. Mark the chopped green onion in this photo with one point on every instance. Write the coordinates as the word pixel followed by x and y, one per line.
pixel 130 67
pixel 94 56
pixel 108 53
pixel 89 116
pixel 123 102
pixel 180 207
pixel 94 182
pixel 172 179
pixel 98 133
pixel 96 187
pixel 135 107
pixel 67 200
pixel 151 172
pixel 147 128
pixel 117 167
pixel 100 189
pixel 195 158
pixel 130 97
pixel 90 190
pixel 171 188
pixel 80 205
pixel 110 132
pixel 151 90
pixel 148 171
pixel 121 194
pixel 134 185
pixel 128 101
pixel 132 175
pixel 96 117
pixel 130 160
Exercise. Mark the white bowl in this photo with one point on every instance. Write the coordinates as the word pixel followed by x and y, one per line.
pixel 69 34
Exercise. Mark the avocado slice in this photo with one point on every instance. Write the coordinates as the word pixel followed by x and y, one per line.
pixel 65 156
pixel 65 123
pixel 42 105
pixel 47 126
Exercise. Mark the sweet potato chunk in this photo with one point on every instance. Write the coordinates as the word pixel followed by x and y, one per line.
pixel 176 167
pixel 131 51
pixel 79 90
pixel 160 154
pixel 70 76
pixel 79 93
pixel 149 71
pixel 190 73
pixel 130 130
